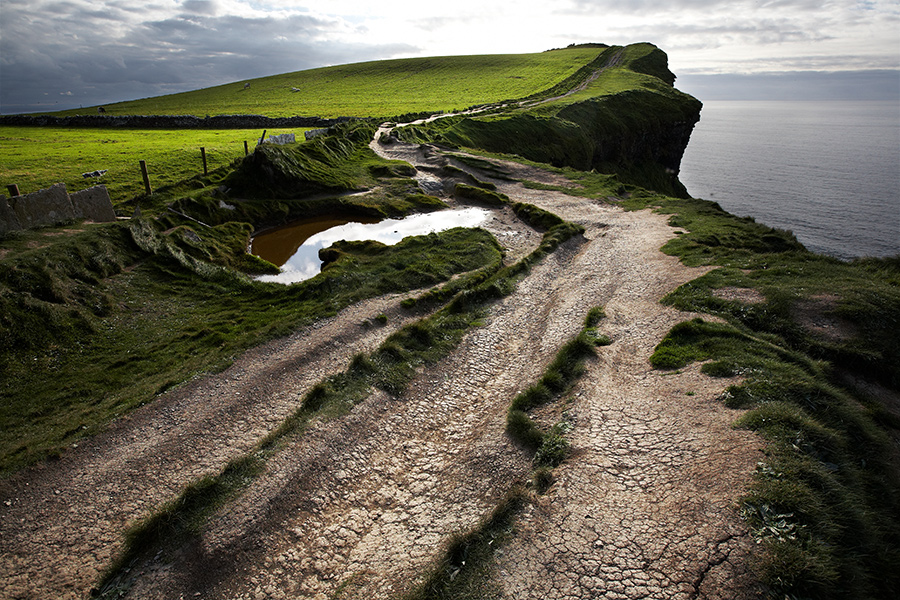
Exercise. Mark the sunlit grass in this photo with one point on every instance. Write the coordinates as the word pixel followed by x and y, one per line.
pixel 374 89
pixel 37 157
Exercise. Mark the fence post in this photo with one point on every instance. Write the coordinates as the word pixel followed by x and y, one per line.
pixel 246 149
pixel 146 177
pixel 13 189
pixel 203 154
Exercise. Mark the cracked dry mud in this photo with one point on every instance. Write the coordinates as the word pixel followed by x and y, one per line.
pixel 360 506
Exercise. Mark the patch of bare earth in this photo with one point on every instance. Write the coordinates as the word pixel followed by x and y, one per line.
pixel 739 294
pixel 818 315
pixel 363 504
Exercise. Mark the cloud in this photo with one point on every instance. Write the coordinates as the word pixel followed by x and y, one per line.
pixel 117 50
pixel 109 53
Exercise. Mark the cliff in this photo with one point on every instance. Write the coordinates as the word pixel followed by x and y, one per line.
pixel 624 116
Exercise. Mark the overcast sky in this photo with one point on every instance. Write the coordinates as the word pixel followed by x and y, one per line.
pixel 57 54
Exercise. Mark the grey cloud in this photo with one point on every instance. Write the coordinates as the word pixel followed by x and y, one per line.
pixel 723 6
pixel 201 7
pixel 43 58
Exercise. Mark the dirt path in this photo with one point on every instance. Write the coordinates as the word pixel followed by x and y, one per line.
pixel 61 523
pixel 361 505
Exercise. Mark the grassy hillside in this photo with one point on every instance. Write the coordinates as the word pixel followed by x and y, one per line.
pixel 629 120
pixel 373 89
pixel 97 319
pixel 35 158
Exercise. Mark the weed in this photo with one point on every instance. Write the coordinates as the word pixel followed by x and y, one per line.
pixel 554 447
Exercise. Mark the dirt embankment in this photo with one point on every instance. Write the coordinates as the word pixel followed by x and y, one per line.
pixel 360 506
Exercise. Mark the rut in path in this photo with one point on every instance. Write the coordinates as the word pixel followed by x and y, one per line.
pixel 62 523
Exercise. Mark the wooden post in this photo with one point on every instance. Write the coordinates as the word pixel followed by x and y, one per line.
pixel 246 149
pixel 203 154
pixel 13 189
pixel 146 177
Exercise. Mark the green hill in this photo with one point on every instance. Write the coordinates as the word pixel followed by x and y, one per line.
pixel 373 89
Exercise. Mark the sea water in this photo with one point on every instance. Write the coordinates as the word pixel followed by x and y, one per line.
pixel 828 171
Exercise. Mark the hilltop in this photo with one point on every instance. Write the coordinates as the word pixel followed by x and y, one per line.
pixel 606 389
pixel 372 89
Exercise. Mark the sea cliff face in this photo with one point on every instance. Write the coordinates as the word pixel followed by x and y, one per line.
pixel 625 117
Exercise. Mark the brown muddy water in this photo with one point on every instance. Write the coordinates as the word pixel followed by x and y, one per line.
pixel 295 247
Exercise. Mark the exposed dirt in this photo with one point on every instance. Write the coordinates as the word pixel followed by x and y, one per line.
pixel 745 295
pixel 358 507
pixel 818 314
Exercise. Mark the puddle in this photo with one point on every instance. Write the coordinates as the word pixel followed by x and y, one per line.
pixel 295 247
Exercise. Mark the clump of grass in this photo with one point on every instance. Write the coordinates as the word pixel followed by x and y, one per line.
pixel 554 448
pixel 465 568
pixel 562 372
pixel 479 195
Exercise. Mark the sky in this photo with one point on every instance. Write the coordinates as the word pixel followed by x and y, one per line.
pixel 61 54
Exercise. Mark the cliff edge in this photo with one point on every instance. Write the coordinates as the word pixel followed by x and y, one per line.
pixel 619 114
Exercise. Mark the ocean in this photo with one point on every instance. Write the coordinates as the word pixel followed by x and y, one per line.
pixel 828 171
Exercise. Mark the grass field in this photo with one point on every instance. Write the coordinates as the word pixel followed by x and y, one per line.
pixel 37 157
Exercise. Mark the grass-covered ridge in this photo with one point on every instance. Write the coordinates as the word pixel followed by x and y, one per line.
pixel 373 89
pixel 34 157
pixel 627 120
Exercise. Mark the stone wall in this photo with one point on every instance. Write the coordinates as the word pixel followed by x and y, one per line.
pixel 43 207
pixel 8 219
pixel 54 205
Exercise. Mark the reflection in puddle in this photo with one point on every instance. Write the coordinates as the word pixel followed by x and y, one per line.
pixel 295 248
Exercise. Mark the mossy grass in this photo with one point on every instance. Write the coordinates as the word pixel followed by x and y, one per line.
pixel 825 497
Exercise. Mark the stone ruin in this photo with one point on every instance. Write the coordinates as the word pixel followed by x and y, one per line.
pixel 314 133
pixel 284 138
pixel 53 205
